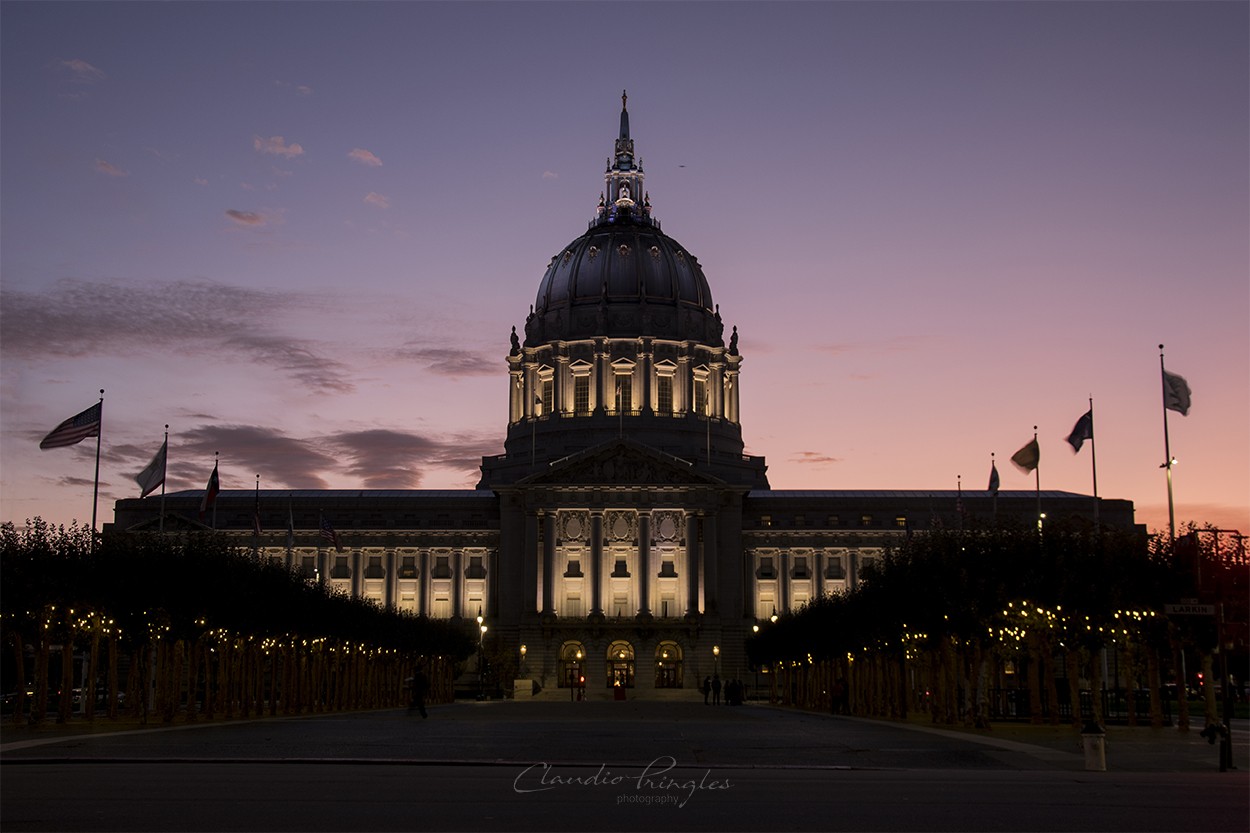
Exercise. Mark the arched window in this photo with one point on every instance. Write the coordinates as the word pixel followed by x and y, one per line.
pixel 668 665
pixel 620 664
pixel 572 673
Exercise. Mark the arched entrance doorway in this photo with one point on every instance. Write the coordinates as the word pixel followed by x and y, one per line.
pixel 620 664
pixel 572 655
pixel 668 665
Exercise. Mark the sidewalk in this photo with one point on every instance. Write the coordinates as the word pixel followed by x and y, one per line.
pixel 1128 748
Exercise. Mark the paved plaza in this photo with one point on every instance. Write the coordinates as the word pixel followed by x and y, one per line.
pixel 612 766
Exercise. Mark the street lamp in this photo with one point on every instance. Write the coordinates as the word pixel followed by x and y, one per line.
pixel 481 681
pixel 716 656
pixel 773 618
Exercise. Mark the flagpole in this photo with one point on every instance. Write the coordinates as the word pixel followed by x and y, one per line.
pixel 1167 452
pixel 1037 475
pixel 95 495
pixel 1093 459
pixel 256 517
pixel 994 468
pixel 161 526
pixel 216 454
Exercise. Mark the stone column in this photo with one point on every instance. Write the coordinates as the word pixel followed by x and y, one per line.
pixel 783 581
pixel 515 412
pixel 549 562
pixel 530 582
pixel 599 387
pixel 716 380
pixel 425 585
pixel 457 584
pixel 683 387
pixel 644 563
pixel 750 589
pixel 488 584
pixel 596 562
pixel 558 383
pixel 645 362
pixel 391 562
pixel 692 564
pixel 711 559
pixel 818 558
pixel 358 579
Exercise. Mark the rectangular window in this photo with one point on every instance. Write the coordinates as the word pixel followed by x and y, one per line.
pixel 476 570
pixel 865 520
pixel 834 521
pixel 664 394
pixel 766 567
pixel 574 569
pixel 624 394
pixel 700 404
pixel 548 397
pixel 834 568
pixel 799 520
pixel 766 521
pixel 442 567
pixel 901 522
pixel 800 566
pixel 620 570
pixel 408 567
pixel 581 395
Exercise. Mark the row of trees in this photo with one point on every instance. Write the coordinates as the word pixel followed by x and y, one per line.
pixel 199 627
pixel 939 621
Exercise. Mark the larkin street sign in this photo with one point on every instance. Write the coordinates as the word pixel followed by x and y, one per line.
pixel 1189 609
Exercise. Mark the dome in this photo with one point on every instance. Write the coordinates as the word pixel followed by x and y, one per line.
pixel 624 278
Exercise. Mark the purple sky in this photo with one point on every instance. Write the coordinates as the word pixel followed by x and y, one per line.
pixel 300 233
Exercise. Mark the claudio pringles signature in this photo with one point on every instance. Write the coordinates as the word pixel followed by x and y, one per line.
pixel 658 783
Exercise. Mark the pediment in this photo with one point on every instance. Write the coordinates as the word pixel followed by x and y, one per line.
pixel 621 462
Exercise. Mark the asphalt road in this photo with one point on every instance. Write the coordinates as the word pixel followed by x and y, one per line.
pixel 601 766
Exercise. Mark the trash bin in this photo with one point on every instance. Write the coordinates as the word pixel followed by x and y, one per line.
pixel 1094 743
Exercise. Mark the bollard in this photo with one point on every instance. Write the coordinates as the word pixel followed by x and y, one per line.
pixel 1094 742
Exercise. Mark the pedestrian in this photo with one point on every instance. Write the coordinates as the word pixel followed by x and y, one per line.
pixel 706 689
pixel 716 689
pixel 420 688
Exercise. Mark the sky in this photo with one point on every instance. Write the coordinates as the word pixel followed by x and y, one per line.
pixel 300 233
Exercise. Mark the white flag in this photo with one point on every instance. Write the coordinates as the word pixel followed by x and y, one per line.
pixel 1175 393
pixel 154 474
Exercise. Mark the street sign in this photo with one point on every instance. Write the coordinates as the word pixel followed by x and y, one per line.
pixel 1189 609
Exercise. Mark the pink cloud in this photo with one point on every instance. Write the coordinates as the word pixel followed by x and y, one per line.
pixel 246 218
pixel 364 157
pixel 83 71
pixel 374 198
pixel 110 169
pixel 277 145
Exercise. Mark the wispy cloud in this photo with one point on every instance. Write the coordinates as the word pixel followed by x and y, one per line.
pixel 897 344
pixel 374 198
pixel 83 71
pixel 246 218
pixel 109 169
pixel 364 157
pixel 304 90
pixel 550 175
pixel 450 362
pixel 199 180
pixel 277 146
pixel 813 458
pixel 247 450
pixel 78 318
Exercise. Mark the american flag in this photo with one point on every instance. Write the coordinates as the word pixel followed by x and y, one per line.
pixel 210 492
pixel 328 533
pixel 75 429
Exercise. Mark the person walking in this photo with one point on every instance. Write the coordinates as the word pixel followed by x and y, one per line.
pixel 716 689
pixel 706 689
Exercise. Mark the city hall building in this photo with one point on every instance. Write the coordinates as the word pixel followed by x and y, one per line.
pixel 623 535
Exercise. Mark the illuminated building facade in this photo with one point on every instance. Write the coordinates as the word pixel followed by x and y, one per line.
pixel 623 535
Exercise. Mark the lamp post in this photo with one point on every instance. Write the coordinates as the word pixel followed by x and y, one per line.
pixel 481 681
pixel 716 658
pixel 755 669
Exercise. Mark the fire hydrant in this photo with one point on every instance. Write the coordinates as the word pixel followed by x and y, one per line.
pixel 1094 743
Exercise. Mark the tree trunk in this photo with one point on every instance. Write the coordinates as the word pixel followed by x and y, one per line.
pixel 40 706
pixel 1095 684
pixel 1072 665
pixel 19 662
pixel 91 673
pixel 1156 688
pixel 1131 660
pixel 114 671
pixel 1182 690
